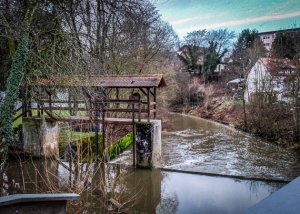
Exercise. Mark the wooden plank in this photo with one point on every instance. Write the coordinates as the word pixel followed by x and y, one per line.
pixel 73 119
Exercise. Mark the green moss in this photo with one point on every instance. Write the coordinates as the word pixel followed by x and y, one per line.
pixel 119 146
pixel 85 143
pixel 17 122
pixel 142 123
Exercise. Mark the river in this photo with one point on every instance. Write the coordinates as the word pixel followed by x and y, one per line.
pixel 243 169
pixel 206 168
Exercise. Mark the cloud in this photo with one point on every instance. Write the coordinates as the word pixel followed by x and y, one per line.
pixel 241 22
pixel 193 19
pixel 181 21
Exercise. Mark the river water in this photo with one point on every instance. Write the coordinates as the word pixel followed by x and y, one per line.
pixel 206 168
pixel 193 148
pixel 193 144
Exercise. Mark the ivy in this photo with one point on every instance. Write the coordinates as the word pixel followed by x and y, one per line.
pixel 15 78
pixel 12 91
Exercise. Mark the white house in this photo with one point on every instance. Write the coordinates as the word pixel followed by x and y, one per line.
pixel 221 67
pixel 269 79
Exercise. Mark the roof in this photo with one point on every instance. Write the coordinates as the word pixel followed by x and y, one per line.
pixel 108 81
pixel 279 31
pixel 238 80
pixel 185 48
pixel 275 65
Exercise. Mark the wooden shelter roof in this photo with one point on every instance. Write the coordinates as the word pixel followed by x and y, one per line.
pixel 107 81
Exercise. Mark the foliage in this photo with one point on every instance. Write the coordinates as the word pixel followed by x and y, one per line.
pixel 16 77
pixel 246 39
pixel 247 50
pixel 211 59
pixel 12 91
pixel 223 38
pixel 205 49
pixel 286 44
pixel 190 59
pixel 195 38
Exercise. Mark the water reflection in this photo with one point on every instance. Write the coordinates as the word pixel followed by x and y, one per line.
pixel 140 191
pixel 190 193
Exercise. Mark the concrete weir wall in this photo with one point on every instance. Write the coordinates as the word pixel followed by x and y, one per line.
pixel 40 137
pixel 148 144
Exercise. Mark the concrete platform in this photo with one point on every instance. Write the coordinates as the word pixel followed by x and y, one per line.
pixel 36 203
pixel 284 201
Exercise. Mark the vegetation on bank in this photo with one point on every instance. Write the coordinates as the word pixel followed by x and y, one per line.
pixel 273 122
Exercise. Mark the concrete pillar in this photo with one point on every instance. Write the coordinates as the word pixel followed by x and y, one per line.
pixel 148 144
pixel 40 137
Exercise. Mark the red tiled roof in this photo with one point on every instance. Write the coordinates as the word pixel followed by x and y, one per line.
pixel 275 65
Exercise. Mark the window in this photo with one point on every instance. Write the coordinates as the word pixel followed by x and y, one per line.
pixel 278 84
pixel 266 37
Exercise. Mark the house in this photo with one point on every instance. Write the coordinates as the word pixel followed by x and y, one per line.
pixel 222 66
pixel 235 84
pixel 197 49
pixel 269 80
pixel 268 37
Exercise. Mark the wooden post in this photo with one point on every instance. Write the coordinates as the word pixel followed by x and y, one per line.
pixel 29 103
pixel 96 114
pixel 50 102
pixel 24 102
pixel 139 106
pixel 154 100
pixel 105 153
pixel 148 104
pixel 133 139
pixel 38 109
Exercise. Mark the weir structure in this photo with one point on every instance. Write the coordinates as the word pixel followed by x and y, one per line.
pixel 40 129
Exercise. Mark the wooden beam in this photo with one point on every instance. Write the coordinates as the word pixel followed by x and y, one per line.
pixel 148 103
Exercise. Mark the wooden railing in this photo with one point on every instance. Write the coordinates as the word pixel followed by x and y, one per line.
pixel 133 106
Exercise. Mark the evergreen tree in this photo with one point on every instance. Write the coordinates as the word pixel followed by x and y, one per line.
pixel 285 44
pixel 190 59
pixel 211 59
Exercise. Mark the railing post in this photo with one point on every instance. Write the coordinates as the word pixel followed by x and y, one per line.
pixel 133 138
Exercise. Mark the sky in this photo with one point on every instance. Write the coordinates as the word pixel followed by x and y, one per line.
pixel 263 15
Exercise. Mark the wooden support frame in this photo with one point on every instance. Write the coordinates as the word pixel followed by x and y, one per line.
pixel 147 84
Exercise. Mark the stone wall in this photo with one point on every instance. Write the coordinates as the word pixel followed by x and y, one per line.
pixel 148 144
pixel 40 137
